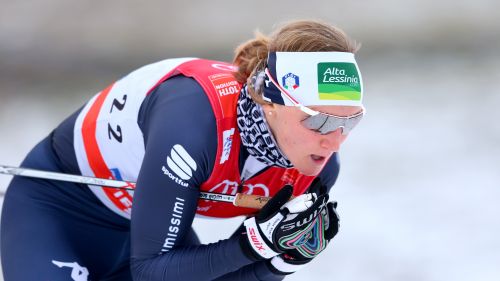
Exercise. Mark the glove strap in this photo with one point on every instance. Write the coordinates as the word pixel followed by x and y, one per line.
pixel 256 240
pixel 283 267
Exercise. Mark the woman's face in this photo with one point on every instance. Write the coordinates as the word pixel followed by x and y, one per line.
pixel 306 149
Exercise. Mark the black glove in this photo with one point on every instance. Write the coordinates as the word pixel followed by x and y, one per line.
pixel 281 223
pixel 325 227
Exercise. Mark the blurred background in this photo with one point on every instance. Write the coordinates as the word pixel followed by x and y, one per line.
pixel 419 186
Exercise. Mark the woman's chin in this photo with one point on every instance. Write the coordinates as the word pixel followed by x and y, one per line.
pixel 311 165
pixel 308 170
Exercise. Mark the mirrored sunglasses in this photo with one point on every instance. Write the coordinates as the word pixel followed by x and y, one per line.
pixel 326 123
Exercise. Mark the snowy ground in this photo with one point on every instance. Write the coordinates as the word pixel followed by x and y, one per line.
pixel 419 186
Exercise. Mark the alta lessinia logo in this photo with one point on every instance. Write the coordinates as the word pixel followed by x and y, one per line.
pixel 338 81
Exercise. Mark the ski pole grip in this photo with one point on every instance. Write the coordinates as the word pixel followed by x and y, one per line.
pixel 251 201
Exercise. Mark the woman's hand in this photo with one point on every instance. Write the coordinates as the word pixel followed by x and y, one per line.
pixel 282 225
pixel 324 228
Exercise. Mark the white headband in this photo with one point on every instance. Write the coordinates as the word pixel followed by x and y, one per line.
pixel 313 78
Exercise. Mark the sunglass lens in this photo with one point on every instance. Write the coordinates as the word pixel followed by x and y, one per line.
pixel 325 124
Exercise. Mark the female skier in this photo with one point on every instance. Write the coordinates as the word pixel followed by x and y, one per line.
pixel 271 123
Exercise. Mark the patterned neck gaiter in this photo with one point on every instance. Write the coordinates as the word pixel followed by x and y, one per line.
pixel 255 133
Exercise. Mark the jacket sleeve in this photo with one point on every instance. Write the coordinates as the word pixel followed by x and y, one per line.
pixel 180 146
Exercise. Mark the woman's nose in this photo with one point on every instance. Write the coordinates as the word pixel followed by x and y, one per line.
pixel 332 141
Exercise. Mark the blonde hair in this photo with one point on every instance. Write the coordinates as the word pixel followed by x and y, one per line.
pixel 295 36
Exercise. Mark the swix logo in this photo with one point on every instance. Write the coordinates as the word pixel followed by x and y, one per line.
pixel 306 220
pixel 227 143
pixel 255 240
pixel 181 163
pixel 78 272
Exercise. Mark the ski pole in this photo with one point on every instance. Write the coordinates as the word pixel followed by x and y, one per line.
pixel 239 199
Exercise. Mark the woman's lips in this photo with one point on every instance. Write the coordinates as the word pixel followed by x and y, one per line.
pixel 317 158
